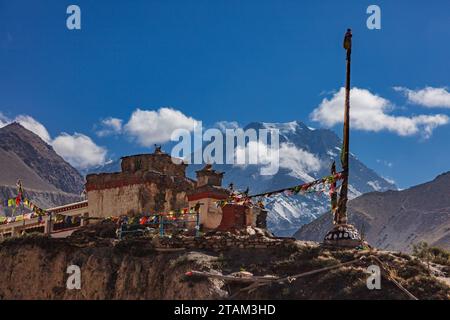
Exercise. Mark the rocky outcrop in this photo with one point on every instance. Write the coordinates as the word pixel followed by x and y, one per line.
pixel 35 271
pixel 35 267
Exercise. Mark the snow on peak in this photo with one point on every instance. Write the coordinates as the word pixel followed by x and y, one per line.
pixel 375 185
pixel 286 127
pixel 332 153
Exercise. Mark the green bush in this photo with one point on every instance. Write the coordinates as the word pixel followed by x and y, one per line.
pixel 432 254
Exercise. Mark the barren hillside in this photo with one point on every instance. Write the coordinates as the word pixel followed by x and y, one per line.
pixel 396 220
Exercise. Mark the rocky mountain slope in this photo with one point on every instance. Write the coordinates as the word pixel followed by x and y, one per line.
pixel 396 220
pixel 48 179
pixel 44 199
pixel 34 267
pixel 288 213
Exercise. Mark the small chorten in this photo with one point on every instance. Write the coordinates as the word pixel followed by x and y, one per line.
pixel 158 149
pixel 209 177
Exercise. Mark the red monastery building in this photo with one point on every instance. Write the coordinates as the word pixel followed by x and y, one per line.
pixel 153 183
pixel 149 184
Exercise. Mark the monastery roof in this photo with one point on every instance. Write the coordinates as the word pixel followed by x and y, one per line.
pixel 79 204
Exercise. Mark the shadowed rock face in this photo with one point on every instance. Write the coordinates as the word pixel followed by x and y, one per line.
pixel 35 162
pixel 396 220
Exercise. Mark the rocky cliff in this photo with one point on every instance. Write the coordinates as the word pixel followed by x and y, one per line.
pixel 34 267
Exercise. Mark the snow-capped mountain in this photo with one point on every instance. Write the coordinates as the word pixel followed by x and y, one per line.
pixel 305 154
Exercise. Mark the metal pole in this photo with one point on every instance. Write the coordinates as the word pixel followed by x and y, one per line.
pixel 343 196
pixel 161 225
pixel 197 224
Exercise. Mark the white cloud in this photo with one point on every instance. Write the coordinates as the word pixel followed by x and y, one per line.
pixel 370 112
pixel 29 123
pixel 149 127
pixel 34 126
pixel 110 126
pixel 298 160
pixel 79 150
pixel 428 97
pixel 301 163
pixel 223 125
pixel 3 120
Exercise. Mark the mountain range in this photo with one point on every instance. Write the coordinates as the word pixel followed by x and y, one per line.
pixel 306 154
pixel 388 218
pixel 46 177
pixel 298 143
pixel 396 220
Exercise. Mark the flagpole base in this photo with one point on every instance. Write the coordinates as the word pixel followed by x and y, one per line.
pixel 343 235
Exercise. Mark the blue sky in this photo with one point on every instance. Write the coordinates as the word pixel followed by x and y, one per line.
pixel 229 60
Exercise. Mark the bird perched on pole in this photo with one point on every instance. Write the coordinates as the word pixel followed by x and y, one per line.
pixel 348 42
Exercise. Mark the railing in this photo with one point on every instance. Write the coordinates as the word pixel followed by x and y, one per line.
pixel 164 224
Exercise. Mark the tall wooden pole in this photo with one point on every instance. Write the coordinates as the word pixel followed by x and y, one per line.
pixel 343 196
pixel 333 195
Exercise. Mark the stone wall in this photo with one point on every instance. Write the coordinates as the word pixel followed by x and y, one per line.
pixel 211 178
pixel 224 241
pixel 159 162
pixel 234 217
pixel 210 213
pixel 134 193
